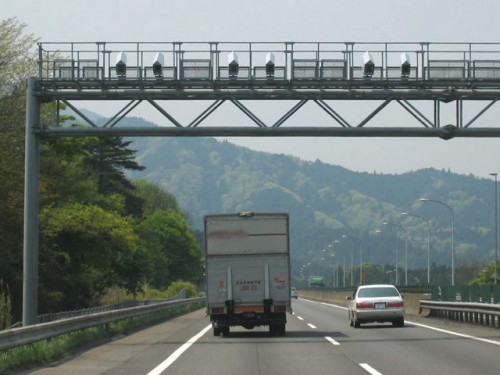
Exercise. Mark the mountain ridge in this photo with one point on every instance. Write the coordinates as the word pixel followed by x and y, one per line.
pixel 324 201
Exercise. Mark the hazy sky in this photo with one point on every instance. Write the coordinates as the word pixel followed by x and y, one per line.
pixel 294 20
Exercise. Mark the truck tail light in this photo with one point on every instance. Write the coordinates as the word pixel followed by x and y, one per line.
pixel 217 310
pixel 280 308
pixel 395 304
pixel 364 305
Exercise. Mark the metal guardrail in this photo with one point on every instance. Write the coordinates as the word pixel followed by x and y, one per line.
pixel 474 313
pixel 30 334
pixel 50 317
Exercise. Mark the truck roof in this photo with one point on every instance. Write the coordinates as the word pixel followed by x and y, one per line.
pixel 246 233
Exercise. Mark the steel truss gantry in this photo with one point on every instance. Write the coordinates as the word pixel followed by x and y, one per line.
pixel 219 72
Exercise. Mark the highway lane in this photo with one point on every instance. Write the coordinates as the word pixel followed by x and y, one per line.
pixel 412 349
pixel 318 341
pixel 303 350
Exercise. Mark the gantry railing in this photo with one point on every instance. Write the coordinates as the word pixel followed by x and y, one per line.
pixel 286 65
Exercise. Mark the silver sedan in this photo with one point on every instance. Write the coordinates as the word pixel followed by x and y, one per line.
pixel 376 303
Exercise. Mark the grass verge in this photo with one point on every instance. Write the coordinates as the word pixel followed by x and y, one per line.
pixel 50 350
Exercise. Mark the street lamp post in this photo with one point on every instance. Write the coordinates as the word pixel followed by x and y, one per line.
pixel 390 272
pixel 406 247
pixel 452 235
pixel 343 257
pixel 351 273
pixel 496 229
pixel 360 259
pixel 428 243
pixel 396 265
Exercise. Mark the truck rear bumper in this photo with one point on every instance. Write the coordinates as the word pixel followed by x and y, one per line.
pixel 247 320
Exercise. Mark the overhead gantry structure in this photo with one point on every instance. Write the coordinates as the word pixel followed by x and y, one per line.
pixel 323 73
pixel 298 72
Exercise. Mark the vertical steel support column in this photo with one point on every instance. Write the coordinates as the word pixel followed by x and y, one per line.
pixel 460 112
pixel 31 206
pixel 437 114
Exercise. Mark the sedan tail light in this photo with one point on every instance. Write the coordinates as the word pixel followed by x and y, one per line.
pixel 395 304
pixel 364 305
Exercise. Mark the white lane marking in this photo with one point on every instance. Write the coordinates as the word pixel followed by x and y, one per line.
pixel 332 341
pixel 456 333
pixel 300 318
pixel 175 355
pixel 370 369
pixel 331 304
pixel 311 325
pixel 430 327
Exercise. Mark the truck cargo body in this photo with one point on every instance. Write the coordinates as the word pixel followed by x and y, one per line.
pixel 248 271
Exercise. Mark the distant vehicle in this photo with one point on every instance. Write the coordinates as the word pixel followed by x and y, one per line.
pixel 316 281
pixel 248 271
pixel 293 292
pixel 376 303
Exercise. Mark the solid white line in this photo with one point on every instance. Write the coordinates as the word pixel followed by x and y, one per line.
pixel 173 357
pixel 370 369
pixel 331 304
pixel 332 341
pixel 428 327
pixel 456 333
pixel 311 325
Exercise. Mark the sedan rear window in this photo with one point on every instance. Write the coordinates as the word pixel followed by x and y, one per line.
pixel 378 292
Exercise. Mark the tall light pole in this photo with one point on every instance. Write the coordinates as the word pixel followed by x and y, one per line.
pixel 428 242
pixel 336 242
pixel 406 247
pixel 496 228
pixel 452 235
pixel 396 265
pixel 360 258
pixel 351 276
pixel 343 266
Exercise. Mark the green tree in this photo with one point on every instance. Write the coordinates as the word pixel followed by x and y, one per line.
pixel 486 275
pixel 172 250
pixel 63 177
pixel 155 197
pixel 5 306
pixel 87 237
pixel 84 250
pixel 107 160
pixel 17 63
pixel 17 58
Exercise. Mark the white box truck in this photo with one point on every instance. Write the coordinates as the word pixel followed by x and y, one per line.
pixel 248 271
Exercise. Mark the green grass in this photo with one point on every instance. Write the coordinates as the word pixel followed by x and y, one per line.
pixel 50 350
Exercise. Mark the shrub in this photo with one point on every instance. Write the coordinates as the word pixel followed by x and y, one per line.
pixel 5 306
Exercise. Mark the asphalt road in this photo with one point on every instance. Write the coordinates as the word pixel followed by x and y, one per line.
pixel 318 341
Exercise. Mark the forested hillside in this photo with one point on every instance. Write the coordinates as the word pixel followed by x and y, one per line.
pixel 326 202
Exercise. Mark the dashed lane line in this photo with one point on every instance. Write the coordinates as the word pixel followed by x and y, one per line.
pixel 370 369
pixel 332 341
